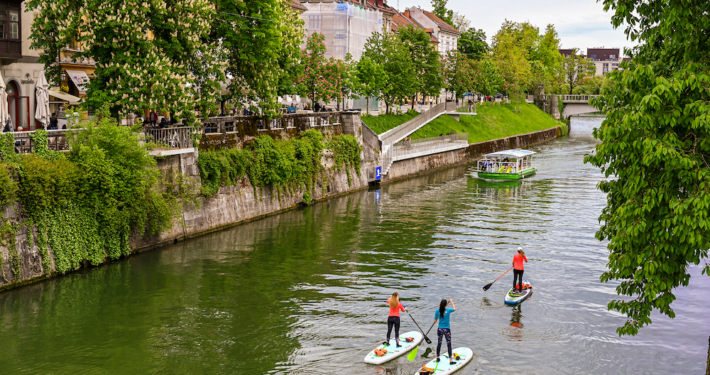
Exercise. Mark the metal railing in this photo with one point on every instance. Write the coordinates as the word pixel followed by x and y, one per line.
pixel 580 98
pixel 251 125
pixel 406 149
pixel 171 138
pixel 56 141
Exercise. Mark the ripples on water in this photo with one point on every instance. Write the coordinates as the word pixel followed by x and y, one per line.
pixel 303 292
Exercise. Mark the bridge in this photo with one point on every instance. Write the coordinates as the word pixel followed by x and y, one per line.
pixel 573 104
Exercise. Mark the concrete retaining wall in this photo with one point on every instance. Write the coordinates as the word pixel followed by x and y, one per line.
pixel 412 167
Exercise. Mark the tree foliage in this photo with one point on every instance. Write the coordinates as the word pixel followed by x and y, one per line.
pixel 372 79
pixel 576 69
pixel 654 151
pixel 261 41
pixel 473 44
pixel 425 61
pixel 440 10
pixel 396 60
pixel 153 54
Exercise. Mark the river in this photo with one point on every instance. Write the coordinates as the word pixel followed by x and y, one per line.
pixel 303 292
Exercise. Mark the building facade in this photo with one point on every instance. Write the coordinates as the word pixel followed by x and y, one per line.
pixel 605 59
pixel 446 34
pixel 346 25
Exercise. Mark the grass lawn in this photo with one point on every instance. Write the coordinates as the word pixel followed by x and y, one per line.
pixel 382 123
pixel 492 122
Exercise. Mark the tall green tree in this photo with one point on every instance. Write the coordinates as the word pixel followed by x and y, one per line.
pixel 425 61
pixel 394 56
pixel 473 44
pixel 654 146
pixel 440 10
pixel 371 78
pixel 575 68
pixel 262 42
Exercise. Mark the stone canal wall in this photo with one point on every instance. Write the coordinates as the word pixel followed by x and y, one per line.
pixel 415 166
pixel 234 205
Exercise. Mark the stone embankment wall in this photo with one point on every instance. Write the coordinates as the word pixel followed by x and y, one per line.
pixel 237 204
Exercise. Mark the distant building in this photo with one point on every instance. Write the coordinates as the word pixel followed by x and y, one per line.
pixel 401 20
pixel 567 52
pixel 605 59
pixel 346 24
pixel 446 34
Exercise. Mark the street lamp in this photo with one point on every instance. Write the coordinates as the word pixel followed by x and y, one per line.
pixel 63 76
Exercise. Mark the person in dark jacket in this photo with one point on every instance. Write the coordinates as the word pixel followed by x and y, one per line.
pixel 316 107
pixel 53 122
pixel 163 123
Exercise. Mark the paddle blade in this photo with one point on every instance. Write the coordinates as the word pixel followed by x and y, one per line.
pixel 487 286
pixel 427 340
pixel 413 354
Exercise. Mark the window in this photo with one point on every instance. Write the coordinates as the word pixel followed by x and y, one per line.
pixel 612 56
pixel 9 24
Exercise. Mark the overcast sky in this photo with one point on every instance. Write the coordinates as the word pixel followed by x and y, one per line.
pixel 580 23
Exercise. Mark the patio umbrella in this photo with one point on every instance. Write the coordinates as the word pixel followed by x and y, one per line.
pixel 4 112
pixel 42 110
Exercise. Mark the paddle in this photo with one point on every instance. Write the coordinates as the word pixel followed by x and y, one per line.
pixel 489 285
pixel 413 353
pixel 420 328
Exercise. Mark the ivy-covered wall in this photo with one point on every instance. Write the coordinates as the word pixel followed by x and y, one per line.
pixel 56 217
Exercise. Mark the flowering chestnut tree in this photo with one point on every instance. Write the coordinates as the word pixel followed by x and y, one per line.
pixel 150 54
pixel 319 80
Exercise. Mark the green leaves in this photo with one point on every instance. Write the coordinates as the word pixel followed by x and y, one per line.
pixel 290 164
pixel 654 145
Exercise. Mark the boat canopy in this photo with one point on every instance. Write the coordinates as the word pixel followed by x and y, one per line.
pixel 510 154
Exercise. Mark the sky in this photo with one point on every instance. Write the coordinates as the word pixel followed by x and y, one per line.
pixel 580 23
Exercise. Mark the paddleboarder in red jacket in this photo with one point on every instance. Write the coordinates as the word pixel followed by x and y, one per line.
pixel 518 269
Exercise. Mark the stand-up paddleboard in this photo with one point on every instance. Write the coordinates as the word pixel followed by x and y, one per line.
pixel 392 350
pixel 513 297
pixel 462 356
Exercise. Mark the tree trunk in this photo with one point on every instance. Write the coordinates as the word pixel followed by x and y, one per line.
pixel 414 98
pixel 368 105
pixel 707 370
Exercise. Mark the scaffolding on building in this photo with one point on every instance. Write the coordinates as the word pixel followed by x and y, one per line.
pixel 346 27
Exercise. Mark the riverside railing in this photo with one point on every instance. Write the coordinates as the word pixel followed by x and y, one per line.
pixel 252 125
pixel 56 141
pixel 419 147
pixel 171 138
pixel 407 149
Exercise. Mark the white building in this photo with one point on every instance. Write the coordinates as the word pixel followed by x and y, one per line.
pixel 446 34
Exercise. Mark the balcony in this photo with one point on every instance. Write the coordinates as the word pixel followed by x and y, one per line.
pixel 10 49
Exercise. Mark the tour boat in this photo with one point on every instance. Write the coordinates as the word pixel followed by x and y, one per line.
pixel 506 165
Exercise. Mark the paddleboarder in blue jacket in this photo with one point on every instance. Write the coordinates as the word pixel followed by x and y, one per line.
pixel 442 315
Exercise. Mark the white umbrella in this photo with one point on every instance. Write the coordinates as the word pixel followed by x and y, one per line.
pixel 42 110
pixel 4 113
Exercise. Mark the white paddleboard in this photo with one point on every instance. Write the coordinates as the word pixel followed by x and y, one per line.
pixel 392 350
pixel 444 367
pixel 514 298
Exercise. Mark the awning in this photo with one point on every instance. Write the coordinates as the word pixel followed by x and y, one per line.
pixel 80 79
pixel 61 95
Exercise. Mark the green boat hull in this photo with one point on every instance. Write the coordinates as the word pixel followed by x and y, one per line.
pixel 507 176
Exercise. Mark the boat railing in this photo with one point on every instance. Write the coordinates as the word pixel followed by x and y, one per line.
pixel 492 166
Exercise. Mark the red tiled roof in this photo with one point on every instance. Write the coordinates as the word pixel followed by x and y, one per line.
pixel 403 20
pixel 383 7
pixel 441 23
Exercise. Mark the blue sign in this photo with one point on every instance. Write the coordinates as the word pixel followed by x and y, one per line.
pixel 378 173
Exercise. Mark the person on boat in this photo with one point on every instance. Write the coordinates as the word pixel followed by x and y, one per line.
pixel 442 315
pixel 518 269
pixel 393 319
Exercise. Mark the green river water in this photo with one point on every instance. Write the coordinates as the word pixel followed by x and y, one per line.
pixel 303 292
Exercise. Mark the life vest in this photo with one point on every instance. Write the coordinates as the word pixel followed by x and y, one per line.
pixel 426 371
pixel 409 339
pixel 380 352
